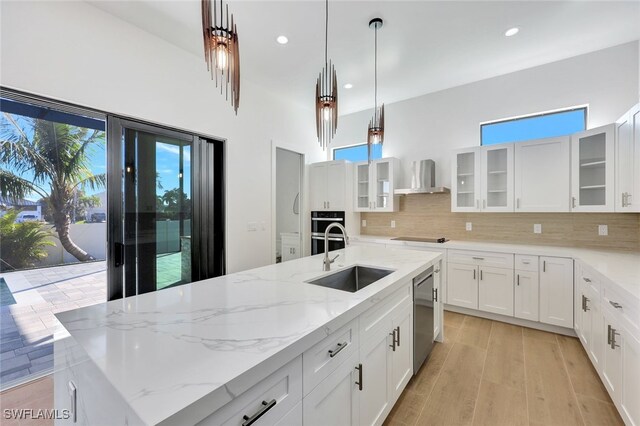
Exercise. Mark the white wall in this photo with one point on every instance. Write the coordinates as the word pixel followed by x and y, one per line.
pixel 74 52
pixel 287 188
pixel 430 126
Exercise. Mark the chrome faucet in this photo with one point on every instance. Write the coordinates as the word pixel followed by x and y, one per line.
pixel 326 263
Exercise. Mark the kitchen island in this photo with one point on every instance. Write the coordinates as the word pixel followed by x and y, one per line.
pixel 197 352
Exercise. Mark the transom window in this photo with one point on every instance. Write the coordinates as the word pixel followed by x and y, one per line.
pixel 536 126
pixel 356 153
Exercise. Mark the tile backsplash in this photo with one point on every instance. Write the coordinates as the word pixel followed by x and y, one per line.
pixel 431 216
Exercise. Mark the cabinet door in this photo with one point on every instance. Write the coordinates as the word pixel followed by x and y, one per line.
pixel 612 357
pixel 465 181
pixel 376 359
pixel 382 176
pixel 597 345
pixel 630 379
pixel 628 161
pixel 402 356
pixel 542 175
pixel 336 400
pixel 497 178
pixel 437 302
pixel 556 291
pixel 526 295
pixel 318 186
pixel 495 290
pixel 462 285
pixel 362 202
pixel 592 170
pixel 336 181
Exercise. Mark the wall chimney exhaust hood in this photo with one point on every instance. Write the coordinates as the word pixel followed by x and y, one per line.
pixel 423 179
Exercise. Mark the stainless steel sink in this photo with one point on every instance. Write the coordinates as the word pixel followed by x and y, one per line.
pixel 351 279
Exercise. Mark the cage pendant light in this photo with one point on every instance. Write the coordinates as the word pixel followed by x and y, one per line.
pixel 221 49
pixel 326 94
pixel 375 135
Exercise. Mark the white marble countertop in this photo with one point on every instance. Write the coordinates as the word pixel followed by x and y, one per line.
pixel 180 353
pixel 620 267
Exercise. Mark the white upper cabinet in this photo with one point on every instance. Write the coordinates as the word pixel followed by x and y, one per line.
pixel 543 175
pixel 627 194
pixel 592 170
pixel 374 185
pixel 328 185
pixel 497 178
pixel 465 181
pixel 482 179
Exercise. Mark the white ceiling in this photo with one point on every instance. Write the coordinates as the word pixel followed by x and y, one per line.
pixel 424 46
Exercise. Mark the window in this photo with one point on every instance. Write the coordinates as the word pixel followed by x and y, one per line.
pixel 538 126
pixel 357 152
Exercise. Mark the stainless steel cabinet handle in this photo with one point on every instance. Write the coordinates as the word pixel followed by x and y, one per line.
pixel 615 304
pixel 435 294
pixel 478 204
pixel 484 204
pixel 586 303
pixel 608 334
pixel 586 279
pixel 359 382
pixel 517 203
pixel 480 274
pixel 328 204
pixel 478 258
pixel 393 340
pixel 573 202
pixel 544 266
pixel 266 406
pixel 474 274
pixel 613 338
pixel 73 396
pixel 398 335
pixel 518 279
pixel 336 351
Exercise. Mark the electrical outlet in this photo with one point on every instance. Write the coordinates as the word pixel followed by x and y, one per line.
pixel 537 228
pixel 603 230
pixel 469 226
pixel 393 223
pixel 364 223
pixel 252 226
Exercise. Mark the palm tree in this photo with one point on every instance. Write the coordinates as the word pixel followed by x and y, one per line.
pixel 52 160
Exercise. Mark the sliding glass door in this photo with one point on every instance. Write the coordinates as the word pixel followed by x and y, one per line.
pixel 153 216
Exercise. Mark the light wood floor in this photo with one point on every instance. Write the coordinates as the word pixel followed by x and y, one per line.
pixel 485 373
pixel 492 373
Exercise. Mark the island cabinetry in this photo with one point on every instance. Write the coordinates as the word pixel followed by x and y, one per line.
pixel 266 403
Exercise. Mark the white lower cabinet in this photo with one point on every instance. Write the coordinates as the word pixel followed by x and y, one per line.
pixel 462 285
pixel 437 300
pixel 402 351
pixel 612 357
pixel 376 366
pixel 336 400
pixel 495 290
pixel 556 291
pixel 525 297
pixel 629 406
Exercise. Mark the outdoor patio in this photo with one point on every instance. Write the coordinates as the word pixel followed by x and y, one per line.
pixel 28 326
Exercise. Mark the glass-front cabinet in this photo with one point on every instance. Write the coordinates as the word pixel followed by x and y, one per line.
pixel 375 184
pixel 497 178
pixel 482 179
pixel 592 171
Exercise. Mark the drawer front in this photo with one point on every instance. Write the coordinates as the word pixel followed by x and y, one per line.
pixel 481 258
pixel 284 387
pixel 382 312
pixel 526 263
pixel 590 283
pixel 624 309
pixel 323 358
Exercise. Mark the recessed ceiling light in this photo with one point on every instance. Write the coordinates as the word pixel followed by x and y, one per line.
pixel 348 86
pixel 282 39
pixel 512 31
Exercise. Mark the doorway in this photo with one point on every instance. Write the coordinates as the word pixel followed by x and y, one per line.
pixel 166 213
pixel 289 167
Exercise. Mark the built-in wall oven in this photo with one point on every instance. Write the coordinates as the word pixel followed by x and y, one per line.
pixel 319 223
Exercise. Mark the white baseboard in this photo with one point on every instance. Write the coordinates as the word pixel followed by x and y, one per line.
pixel 512 320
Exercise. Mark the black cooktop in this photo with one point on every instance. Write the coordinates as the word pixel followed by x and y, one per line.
pixel 422 239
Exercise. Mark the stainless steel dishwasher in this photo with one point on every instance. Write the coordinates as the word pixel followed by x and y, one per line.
pixel 423 317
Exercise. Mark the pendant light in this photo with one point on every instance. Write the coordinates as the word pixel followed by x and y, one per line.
pixel 221 50
pixel 326 94
pixel 375 135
